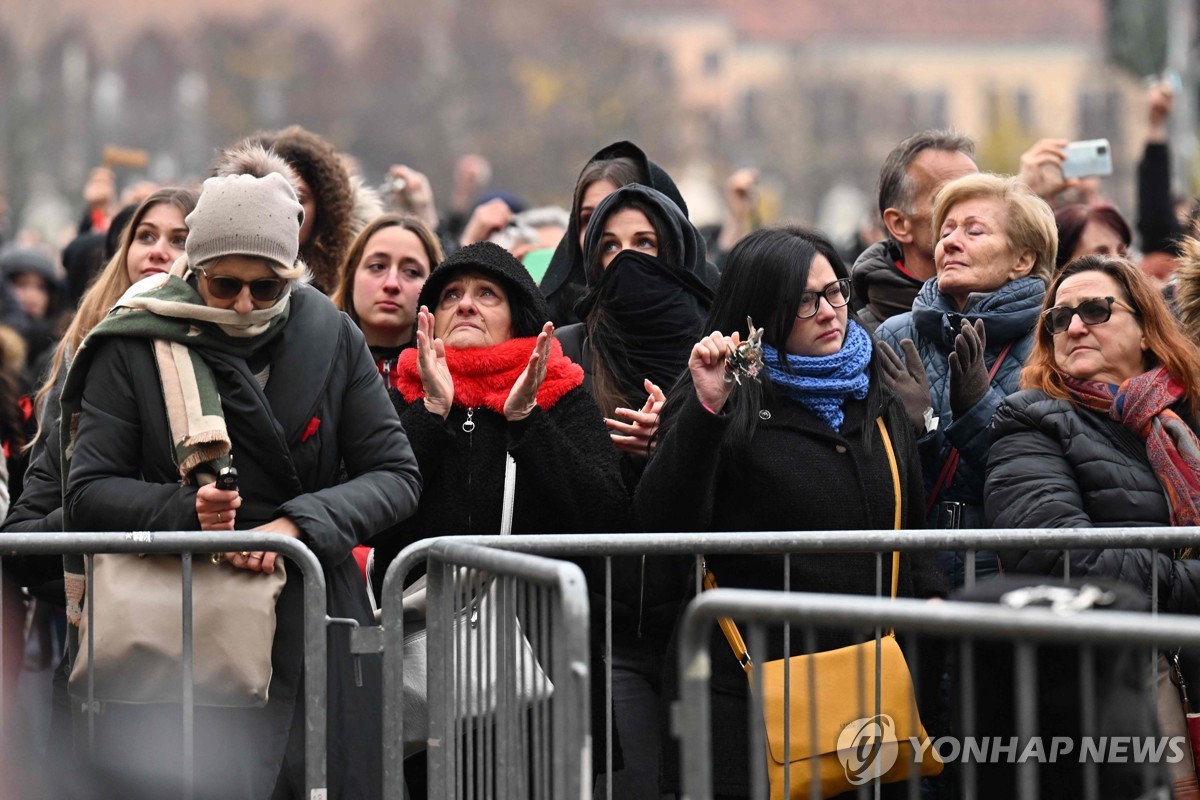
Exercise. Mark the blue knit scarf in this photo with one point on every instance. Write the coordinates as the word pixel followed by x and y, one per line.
pixel 822 383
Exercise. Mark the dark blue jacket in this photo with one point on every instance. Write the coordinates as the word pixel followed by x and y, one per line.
pixel 1009 315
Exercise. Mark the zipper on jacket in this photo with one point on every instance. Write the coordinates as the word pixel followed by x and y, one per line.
pixel 468 426
pixel 641 597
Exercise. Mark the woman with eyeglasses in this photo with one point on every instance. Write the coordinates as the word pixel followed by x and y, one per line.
pixel 231 360
pixel 782 434
pixel 1104 431
pixel 966 339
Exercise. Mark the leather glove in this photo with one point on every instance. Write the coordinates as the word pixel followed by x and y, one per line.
pixel 908 380
pixel 968 372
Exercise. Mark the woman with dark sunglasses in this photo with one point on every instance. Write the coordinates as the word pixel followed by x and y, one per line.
pixel 964 342
pixel 1104 432
pixel 230 359
pixel 783 434
pixel 1103 435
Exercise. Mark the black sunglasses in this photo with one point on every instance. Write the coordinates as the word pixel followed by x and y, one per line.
pixel 1094 311
pixel 264 290
pixel 837 294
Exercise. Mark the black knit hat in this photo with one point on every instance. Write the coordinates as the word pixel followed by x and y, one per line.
pixel 525 301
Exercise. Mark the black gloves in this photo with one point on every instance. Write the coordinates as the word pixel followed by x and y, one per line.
pixel 969 379
pixel 907 379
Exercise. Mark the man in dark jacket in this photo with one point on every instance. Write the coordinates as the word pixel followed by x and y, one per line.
pixel 888 275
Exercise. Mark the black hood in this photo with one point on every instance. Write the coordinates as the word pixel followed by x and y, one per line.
pixel 565 275
pixel 688 242
pixel 491 259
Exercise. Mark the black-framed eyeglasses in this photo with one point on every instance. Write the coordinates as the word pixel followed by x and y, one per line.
pixel 1094 311
pixel 837 294
pixel 226 287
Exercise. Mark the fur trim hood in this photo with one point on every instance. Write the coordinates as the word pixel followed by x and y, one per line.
pixel 1187 288
pixel 251 158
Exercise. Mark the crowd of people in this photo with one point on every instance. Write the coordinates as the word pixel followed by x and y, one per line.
pixel 378 372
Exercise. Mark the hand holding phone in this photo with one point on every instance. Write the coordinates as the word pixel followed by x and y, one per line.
pixel 1086 159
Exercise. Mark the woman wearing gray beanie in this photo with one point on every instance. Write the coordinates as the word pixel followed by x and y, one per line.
pixel 281 380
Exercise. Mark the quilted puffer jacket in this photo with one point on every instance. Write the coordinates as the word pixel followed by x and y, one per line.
pixel 1055 465
pixel 1009 315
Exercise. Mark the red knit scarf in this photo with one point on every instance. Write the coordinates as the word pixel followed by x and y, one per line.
pixel 1142 404
pixel 484 376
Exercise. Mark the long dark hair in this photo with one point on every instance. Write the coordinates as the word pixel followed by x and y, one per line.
pixel 763 278
pixel 605 335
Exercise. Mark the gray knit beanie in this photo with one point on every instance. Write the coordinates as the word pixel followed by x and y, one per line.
pixel 246 216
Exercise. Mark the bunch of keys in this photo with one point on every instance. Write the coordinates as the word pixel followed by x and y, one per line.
pixel 745 360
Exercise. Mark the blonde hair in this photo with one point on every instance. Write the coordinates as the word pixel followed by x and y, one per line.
pixel 1028 220
pixel 112 282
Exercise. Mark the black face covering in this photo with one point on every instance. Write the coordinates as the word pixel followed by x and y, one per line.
pixel 643 318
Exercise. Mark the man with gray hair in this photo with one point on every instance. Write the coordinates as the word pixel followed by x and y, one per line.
pixel 888 275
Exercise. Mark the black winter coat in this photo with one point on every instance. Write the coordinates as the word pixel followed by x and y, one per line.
pixel 123 477
pixel 881 288
pixel 796 474
pixel 1056 465
pixel 568 480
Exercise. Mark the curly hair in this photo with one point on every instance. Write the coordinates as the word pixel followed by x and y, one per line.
pixel 317 163
pixel 1187 292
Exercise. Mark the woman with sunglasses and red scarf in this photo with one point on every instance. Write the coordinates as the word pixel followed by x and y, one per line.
pixel 1103 434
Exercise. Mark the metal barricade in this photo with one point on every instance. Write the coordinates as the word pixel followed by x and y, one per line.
pixel 507 669
pixel 185 544
pixel 788 543
pixel 1027 628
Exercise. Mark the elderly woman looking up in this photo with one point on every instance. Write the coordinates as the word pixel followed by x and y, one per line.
pixel 969 333
pixel 291 398
pixel 487 377
pixel 1104 432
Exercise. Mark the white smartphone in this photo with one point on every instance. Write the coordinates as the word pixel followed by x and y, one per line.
pixel 1087 158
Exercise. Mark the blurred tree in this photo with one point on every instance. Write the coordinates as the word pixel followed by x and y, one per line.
pixel 534 86
pixel 1137 35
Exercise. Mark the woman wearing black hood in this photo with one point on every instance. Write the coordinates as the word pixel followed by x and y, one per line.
pixel 614 166
pixel 645 306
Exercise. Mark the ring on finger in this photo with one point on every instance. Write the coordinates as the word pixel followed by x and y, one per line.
pixel 220 517
pixel 244 554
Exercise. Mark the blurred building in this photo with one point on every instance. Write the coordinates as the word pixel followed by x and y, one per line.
pixel 812 92
pixel 832 86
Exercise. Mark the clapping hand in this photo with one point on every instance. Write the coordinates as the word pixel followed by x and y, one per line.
pixel 907 379
pixel 707 365
pixel 634 432
pixel 431 365
pixel 523 397
pixel 969 378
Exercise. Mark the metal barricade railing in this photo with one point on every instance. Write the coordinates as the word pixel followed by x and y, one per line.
pixel 186 544
pixel 508 689
pixel 785 543
pixel 1027 628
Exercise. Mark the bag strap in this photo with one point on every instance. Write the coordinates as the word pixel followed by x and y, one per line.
pixel 946 476
pixel 510 495
pixel 728 627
